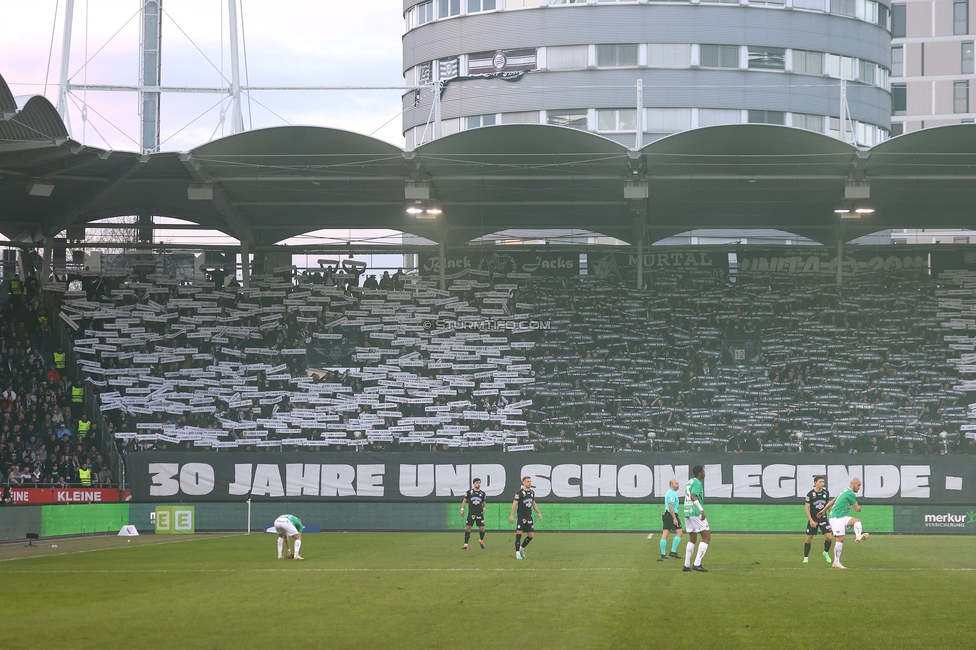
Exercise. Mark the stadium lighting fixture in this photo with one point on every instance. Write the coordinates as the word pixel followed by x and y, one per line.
pixel 434 211
pixel 415 209
pixel 37 187
pixel 865 211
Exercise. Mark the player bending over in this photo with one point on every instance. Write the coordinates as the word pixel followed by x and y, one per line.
pixel 695 521
pixel 670 521
pixel 289 527
pixel 525 502
pixel 815 504
pixel 840 520
pixel 476 513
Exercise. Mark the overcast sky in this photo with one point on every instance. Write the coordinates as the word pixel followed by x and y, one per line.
pixel 288 42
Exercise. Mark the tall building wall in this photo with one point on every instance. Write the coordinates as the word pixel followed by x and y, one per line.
pixel 700 64
pixel 932 64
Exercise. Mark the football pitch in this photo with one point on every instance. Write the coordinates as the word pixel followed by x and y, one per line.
pixel 414 590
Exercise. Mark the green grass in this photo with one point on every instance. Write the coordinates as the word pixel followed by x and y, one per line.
pixel 416 590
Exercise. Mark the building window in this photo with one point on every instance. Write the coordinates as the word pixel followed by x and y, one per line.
pixel 669 55
pixel 867 10
pixel 714 116
pixel 522 117
pixel 807 62
pixel 840 67
pixel 835 129
pixel 897 128
pixel 767 117
pixel 668 120
pixel 898 61
pixel 474 6
pixel 960 17
pixel 899 99
pixel 843 7
pixel 616 119
pixel 616 56
pixel 566 57
pixel 571 119
pixel 447 8
pixel 720 56
pixel 809 122
pixel 767 58
pixel 960 97
pixel 967 57
pixel 475 121
pixel 960 240
pixel 813 5
pixel 883 15
pixel 519 4
pixel 898 21
pixel 425 13
pixel 567 2
pixel 866 71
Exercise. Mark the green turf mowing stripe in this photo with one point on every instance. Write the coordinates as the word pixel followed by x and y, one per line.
pixel 79 519
pixel 647 517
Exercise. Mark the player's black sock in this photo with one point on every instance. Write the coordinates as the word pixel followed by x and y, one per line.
pixel 518 543
pixel 526 542
pixel 806 549
pixel 467 536
pixel 826 546
pixel 481 534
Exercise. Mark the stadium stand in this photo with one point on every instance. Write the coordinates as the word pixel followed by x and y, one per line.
pixel 770 362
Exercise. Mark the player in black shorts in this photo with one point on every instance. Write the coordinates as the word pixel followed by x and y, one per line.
pixel 525 502
pixel 814 505
pixel 476 513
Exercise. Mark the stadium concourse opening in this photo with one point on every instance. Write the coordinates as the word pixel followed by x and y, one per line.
pixel 224 372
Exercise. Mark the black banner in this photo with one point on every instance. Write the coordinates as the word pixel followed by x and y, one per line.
pixel 491 264
pixel 963 258
pixel 623 266
pixel 565 477
pixel 823 261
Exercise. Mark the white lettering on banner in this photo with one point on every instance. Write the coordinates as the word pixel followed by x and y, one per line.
pixel 369 480
pixel 267 481
pixel 73 496
pixel 839 477
pixel 746 481
pixel 164 482
pixel 540 478
pixel 416 480
pixel 197 479
pixel 915 481
pixel 779 481
pixel 451 481
pixel 302 479
pixel 599 480
pixel 635 481
pixel 561 475
pixel 242 479
pixel 665 473
pixel 881 481
pixel 714 487
pixel 492 478
pixel 337 480
pixel 804 477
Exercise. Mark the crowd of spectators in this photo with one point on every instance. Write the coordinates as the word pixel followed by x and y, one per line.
pixel 696 362
pixel 46 438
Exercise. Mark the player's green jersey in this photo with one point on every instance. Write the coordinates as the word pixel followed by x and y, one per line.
pixel 296 521
pixel 843 503
pixel 694 486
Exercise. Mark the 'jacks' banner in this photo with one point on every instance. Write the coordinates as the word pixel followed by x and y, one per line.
pixel 565 477
pixel 493 264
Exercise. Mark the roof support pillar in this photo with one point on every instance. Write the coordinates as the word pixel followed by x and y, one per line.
pixel 46 261
pixel 840 259
pixel 246 263
pixel 442 258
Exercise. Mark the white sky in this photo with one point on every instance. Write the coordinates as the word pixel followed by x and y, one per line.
pixel 289 43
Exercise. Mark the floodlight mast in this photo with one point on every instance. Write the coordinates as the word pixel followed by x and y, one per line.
pixel 69 12
pixel 150 50
pixel 236 115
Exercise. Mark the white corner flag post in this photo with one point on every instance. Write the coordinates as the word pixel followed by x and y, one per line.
pixel 248 517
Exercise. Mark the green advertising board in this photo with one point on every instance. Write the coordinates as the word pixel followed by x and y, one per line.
pixel 936 520
pixel 175 520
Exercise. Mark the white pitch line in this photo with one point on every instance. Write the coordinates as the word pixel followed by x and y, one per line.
pixel 111 548
pixel 444 570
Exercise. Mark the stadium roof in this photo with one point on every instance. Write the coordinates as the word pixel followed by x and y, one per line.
pixel 271 184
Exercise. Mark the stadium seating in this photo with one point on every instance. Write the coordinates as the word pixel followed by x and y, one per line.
pixel 768 362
